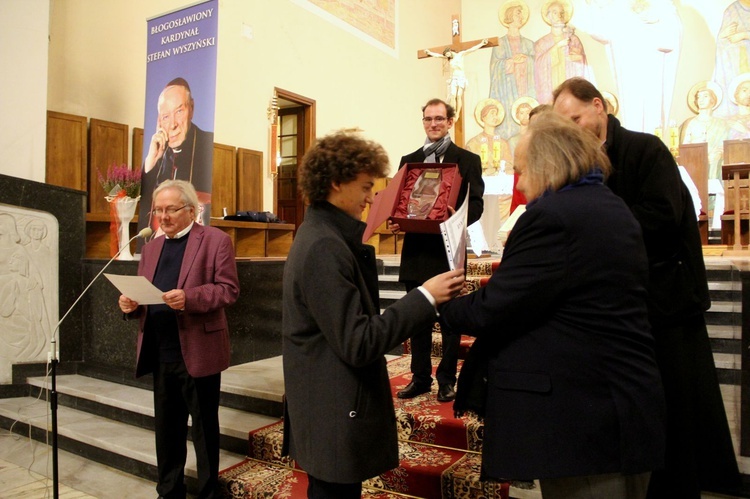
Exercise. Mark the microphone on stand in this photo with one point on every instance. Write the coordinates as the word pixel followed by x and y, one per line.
pixel 53 360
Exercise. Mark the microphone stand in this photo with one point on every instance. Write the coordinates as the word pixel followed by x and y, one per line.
pixel 54 360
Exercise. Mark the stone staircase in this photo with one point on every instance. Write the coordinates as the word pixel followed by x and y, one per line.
pixel 724 319
pixel 111 422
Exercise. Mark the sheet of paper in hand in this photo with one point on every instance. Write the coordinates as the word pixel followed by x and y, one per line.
pixel 454 236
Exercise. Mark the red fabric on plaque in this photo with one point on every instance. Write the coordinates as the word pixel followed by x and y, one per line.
pixel 439 209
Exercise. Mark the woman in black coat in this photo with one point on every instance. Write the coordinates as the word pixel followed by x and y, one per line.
pixel 574 396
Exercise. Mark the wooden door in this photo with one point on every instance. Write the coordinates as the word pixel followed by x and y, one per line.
pixel 292 148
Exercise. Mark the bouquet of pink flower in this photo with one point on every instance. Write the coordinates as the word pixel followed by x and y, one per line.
pixel 121 178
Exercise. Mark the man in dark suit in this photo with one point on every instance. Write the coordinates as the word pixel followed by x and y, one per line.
pixel 700 455
pixel 423 255
pixel 184 342
pixel 178 150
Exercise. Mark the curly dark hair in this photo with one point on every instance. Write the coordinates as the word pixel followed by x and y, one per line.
pixel 339 158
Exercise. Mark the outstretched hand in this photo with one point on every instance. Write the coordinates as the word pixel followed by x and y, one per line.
pixel 445 286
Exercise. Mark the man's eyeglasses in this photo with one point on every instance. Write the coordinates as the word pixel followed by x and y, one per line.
pixel 436 119
pixel 169 210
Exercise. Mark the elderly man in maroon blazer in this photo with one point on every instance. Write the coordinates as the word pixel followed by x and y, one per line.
pixel 184 342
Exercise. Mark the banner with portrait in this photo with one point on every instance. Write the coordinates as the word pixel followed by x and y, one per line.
pixel 180 104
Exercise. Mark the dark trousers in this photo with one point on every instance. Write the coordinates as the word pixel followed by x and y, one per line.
pixel 421 352
pixel 699 451
pixel 318 489
pixel 178 395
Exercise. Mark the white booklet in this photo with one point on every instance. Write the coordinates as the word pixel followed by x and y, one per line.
pixel 454 235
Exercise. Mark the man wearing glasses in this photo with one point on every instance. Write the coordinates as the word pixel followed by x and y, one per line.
pixel 423 255
pixel 184 342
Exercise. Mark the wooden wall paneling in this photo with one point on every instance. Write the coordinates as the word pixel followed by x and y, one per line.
pixel 99 235
pixel 251 241
pixel 694 157
pixel 736 151
pixel 223 182
pixel 737 194
pixel 108 144
pixel 249 238
pixel 279 239
pixel 97 238
pixel 136 160
pixel 67 150
pixel 287 212
pixel 230 231
pixel 249 180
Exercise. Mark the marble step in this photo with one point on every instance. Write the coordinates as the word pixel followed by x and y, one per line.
pixel 725 331
pixel 389 296
pixel 112 423
pixel 134 406
pixel 118 445
pixel 252 387
pixel 725 290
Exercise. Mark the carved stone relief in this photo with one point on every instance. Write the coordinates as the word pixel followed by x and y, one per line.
pixel 28 286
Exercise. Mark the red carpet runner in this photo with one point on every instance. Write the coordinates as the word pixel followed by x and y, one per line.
pixel 438 455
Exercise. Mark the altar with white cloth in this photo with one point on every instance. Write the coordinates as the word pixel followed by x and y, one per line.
pixel 498 191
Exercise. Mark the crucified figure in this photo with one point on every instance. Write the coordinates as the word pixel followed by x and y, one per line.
pixel 457 82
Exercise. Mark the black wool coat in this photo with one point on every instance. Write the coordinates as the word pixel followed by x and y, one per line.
pixel 340 425
pixel 574 388
pixel 646 177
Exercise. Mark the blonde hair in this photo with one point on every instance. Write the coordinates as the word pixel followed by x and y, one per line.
pixel 560 152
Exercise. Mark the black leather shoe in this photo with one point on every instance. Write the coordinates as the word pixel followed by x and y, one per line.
pixel 446 393
pixel 412 390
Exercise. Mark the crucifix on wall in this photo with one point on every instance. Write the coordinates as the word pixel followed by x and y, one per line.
pixel 454 54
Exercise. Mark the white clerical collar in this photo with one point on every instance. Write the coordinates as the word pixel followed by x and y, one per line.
pixel 182 233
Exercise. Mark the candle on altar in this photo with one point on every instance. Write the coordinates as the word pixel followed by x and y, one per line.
pixel 483 152
pixel 674 136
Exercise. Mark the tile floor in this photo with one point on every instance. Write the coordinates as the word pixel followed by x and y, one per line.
pixel 26 472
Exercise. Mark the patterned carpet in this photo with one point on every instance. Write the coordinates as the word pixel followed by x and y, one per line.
pixel 438 455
